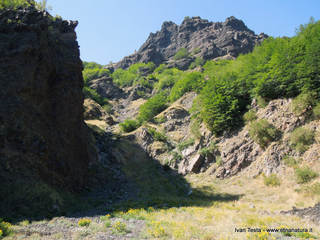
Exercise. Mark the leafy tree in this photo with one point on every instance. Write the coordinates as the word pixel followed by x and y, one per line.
pixel 186 18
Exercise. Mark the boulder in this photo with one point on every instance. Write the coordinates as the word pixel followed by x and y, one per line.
pixel 105 88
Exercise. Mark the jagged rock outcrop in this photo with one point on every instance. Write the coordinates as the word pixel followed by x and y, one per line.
pixel 42 132
pixel 92 110
pixel 214 40
pixel 105 88
pixel 239 151
pixel 311 213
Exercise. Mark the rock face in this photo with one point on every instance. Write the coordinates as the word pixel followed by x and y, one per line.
pixel 213 40
pixel 42 132
pixel 94 111
pixel 240 153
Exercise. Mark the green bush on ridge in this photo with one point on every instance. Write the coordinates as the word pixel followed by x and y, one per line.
pixel 152 107
pixel 305 174
pixel 301 138
pixel 262 132
pixel 182 53
pixel 129 125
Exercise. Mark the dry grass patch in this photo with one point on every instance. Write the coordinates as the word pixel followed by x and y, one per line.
pixel 99 123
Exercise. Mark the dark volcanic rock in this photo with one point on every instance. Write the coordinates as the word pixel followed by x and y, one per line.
pixel 310 213
pixel 105 88
pixel 213 39
pixel 42 132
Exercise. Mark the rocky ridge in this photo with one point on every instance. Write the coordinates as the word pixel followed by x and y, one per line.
pixel 212 40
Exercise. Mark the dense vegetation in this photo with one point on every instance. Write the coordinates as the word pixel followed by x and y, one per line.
pixel 280 67
pixel 90 72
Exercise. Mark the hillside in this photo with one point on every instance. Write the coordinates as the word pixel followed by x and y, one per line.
pixel 253 121
pixel 207 132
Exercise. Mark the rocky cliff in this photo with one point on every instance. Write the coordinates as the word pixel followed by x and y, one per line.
pixel 42 132
pixel 212 40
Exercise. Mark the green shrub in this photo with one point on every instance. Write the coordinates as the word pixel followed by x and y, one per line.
pixel 196 50
pixel 262 132
pixel 160 119
pixel 193 82
pixel 303 103
pixel 91 93
pixel 84 222
pixel 198 62
pixel 182 53
pixel 107 108
pixel 141 93
pixel 161 68
pixel 316 111
pixel 151 66
pixel 13 4
pixel 152 107
pixel 157 136
pixel 309 191
pixel 271 180
pixel 5 228
pixel 262 102
pixel 192 65
pixel 129 125
pixel 301 138
pixel 119 228
pixel 176 156
pixel 207 150
pixel 291 161
pixel 218 160
pixel 145 82
pixel 185 144
pixel 250 116
pixel 305 174
pixel 194 129
pixel 168 77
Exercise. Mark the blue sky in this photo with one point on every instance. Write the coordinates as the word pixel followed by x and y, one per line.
pixel 109 30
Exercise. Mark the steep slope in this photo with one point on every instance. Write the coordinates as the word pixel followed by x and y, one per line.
pixel 212 40
pixel 42 132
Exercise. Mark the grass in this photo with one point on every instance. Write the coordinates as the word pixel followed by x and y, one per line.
pixel 214 210
pixel 271 180
pixel 305 174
